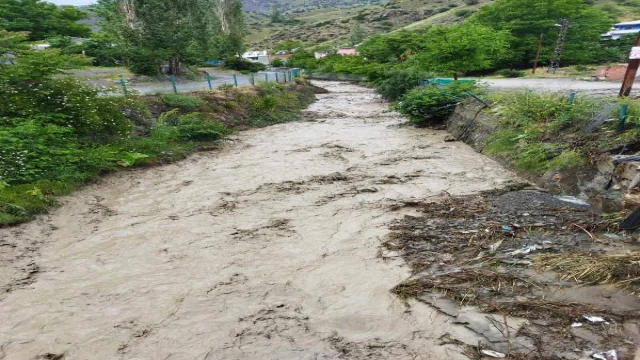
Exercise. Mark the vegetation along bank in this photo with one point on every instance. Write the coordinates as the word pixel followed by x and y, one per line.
pixel 59 133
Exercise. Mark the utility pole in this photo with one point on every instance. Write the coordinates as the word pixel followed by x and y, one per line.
pixel 555 60
pixel 535 62
pixel 632 69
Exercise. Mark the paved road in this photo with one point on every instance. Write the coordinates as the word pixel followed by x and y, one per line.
pixel 558 84
pixel 561 84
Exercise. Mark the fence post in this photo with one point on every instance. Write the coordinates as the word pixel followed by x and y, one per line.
pixel 124 85
pixel 622 117
pixel 206 74
pixel 252 79
pixel 173 83
pixel 266 77
pixel 277 80
pixel 572 98
pixel 235 80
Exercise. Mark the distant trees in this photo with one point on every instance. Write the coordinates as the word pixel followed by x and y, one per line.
pixel 175 30
pixel 525 20
pixel 393 47
pixel 275 15
pixel 42 19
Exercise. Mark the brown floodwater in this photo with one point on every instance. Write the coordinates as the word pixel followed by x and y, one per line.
pixel 269 248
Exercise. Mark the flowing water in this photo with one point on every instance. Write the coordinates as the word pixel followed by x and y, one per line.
pixel 269 248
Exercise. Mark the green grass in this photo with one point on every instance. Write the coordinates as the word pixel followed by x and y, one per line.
pixel 541 132
pixel 182 101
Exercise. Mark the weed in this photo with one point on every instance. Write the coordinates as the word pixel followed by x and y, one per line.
pixel 182 101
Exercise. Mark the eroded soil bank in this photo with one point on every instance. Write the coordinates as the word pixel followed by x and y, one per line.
pixel 268 249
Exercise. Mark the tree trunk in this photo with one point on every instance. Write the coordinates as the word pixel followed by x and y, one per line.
pixel 174 66
pixel 455 77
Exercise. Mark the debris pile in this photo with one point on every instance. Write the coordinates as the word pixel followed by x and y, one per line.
pixel 510 253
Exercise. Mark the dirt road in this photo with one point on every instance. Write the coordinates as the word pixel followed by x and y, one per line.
pixel 267 249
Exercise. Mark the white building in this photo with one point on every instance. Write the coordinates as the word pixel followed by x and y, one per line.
pixel 261 56
pixel 322 53
pixel 631 27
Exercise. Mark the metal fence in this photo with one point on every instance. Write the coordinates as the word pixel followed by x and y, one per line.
pixel 208 82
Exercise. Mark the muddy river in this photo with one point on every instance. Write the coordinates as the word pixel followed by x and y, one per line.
pixel 269 248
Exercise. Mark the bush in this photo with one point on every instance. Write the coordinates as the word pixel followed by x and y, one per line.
pixel 187 102
pixel 240 64
pixel 144 62
pixel 192 126
pixel 510 73
pixel 464 13
pixel 398 82
pixel 277 62
pixel 67 103
pixel 33 151
pixel 430 104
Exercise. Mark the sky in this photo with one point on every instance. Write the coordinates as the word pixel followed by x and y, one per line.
pixel 72 2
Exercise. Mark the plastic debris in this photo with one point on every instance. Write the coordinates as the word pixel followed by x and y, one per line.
pixel 606 355
pixel 507 228
pixel 573 200
pixel 494 247
pixel 524 250
pixel 632 221
pixel 492 353
pixel 576 324
pixel 595 319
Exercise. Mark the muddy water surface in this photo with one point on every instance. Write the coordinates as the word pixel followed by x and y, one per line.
pixel 268 249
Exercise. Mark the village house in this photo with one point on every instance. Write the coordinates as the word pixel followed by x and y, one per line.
pixel 320 54
pixel 261 56
pixel 620 29
pixel 347 52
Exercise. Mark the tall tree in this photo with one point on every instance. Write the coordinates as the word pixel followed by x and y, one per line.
pixel 177 30
pixel 527 19
pixel 356 36
pixel 42 19
pixel 275 15
pixel 460 49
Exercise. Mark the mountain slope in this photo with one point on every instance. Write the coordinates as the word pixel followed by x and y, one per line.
pixel 329 22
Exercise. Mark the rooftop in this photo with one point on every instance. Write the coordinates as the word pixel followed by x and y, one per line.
pixel 635 22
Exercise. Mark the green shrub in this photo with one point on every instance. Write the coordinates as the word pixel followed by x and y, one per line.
pixel 431 104
pixel 398 82
pixel 187 102
pixel 32 152
pixel 67 103
pixel 464 13
pixel 277 62
pixel 197 127
pixel 240 64
pixel 144 62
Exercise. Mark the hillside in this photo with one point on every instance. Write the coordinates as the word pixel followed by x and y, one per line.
pixel 329 22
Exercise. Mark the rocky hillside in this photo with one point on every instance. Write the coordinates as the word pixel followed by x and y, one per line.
pixel 329 22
